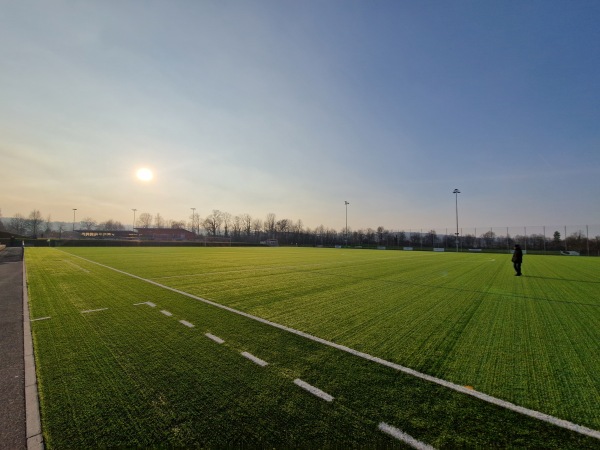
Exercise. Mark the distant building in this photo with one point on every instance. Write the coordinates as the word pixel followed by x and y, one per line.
pixel 106 234
pixel 165 234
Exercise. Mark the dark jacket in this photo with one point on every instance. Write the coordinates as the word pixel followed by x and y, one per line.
pixel 517 255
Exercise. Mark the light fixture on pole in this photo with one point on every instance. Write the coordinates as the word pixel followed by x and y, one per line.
pixel 456 192
pixel 346 203
pixel 74 209
pixel 193 220
pixel 134 210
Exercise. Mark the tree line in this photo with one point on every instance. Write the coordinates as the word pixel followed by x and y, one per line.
pixel 248 229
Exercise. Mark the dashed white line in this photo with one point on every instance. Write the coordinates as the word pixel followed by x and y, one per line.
pixel 398 434
pixel 166 313
pixel 255 359
pixel 186 323
pixel 93 310
pixel 40 318
pixel 217 339
pixel 313 390
pixel 152 305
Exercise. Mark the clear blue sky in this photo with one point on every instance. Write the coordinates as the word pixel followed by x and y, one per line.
pixel 293 107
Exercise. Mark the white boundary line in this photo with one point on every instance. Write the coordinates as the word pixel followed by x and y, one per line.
pixel 486 398
pixel 186 323
pixel 255 359
pixel 401 435
pixel 313 390
pixel 217 339
pixel 166 313
pixel 33 423
pixel 40 318
pixel 93 310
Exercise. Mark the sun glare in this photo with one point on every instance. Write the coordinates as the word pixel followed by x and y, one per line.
pixel 144 174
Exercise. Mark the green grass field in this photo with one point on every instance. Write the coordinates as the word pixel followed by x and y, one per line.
pixel 130 375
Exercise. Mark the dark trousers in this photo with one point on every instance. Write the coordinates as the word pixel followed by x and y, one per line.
pixel 517 266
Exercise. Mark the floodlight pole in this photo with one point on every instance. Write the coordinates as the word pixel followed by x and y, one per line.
pixel 134 210
pixel 74 209
pixel 346 203
pixel 456 192
pixel 193 220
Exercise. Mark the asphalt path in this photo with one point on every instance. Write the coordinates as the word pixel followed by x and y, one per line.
pixel 13 432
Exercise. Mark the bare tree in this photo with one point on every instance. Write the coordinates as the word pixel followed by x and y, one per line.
pixel 282 226
pixel 60 228
pixel 537 241
pixel 298 226
pixel 489 237
pixel 370 235
pixel 18 225
pixel 320 234
pixel 48 226
pixel 401 238
pixel 145 220
pixel 87 223
pixel 256 227
pixel 296 229
pixel 34 221
pixel 226 222
pixel 2 227
pixel 469 240
pixel 212 224
pixel 430 238
pixel 159 221
pixel 195 222
pixel 269 225
pixel 236 226
pixel 577 241
pixel 247 224
pixel 175 224
pixel 111 225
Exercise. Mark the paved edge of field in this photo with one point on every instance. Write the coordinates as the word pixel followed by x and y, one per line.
pixel 20 425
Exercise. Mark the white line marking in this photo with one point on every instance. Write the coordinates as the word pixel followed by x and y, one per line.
pixel 40 318
pixel 313 390
pixel 33 425
pixel 93 310
pixel 79 267
pixel 145 303
pixel 186 323
pixel 254 359
pixel 486 398
pixel 166 313
pixel 395 432
pixel 217 339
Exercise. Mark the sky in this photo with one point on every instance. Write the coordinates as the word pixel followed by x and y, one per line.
pixel 295 107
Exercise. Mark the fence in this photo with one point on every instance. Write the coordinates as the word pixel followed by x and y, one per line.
pixel 584 239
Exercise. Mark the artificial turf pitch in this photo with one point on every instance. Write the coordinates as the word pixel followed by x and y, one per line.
pixel 129 375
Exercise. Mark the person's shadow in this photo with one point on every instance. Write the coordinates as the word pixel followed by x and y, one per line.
pixel 564 279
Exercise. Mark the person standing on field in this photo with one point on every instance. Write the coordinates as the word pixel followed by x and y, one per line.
pixel 517 259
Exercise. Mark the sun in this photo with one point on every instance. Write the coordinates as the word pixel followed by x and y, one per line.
pixel 144 174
